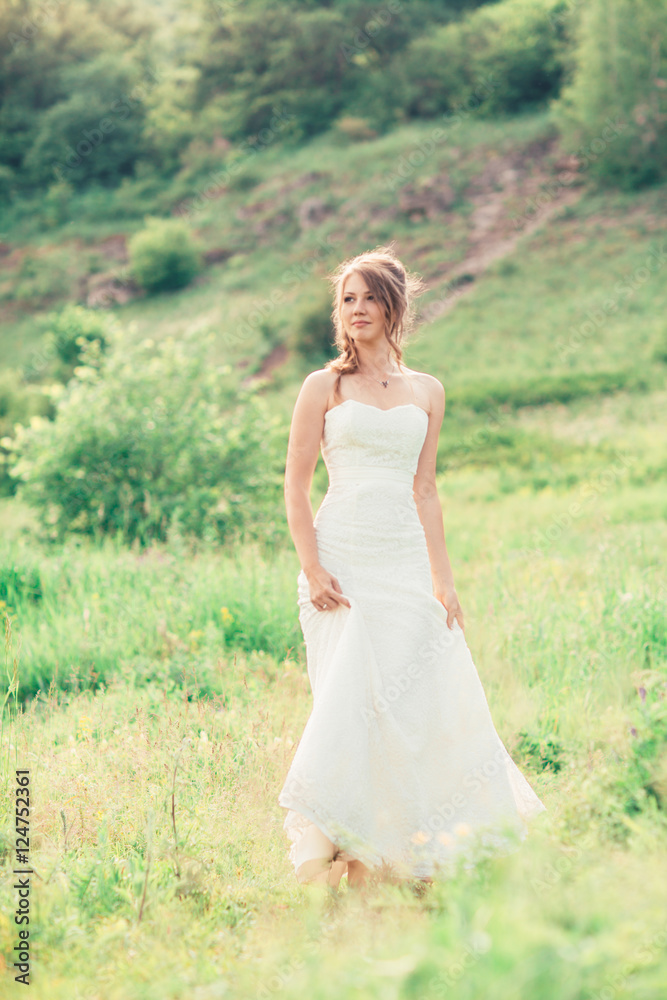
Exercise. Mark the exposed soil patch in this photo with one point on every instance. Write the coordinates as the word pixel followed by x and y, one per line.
pixel 273 359
pixel 217 254
pixel 513 195
pixel 102 291
pixel 113 247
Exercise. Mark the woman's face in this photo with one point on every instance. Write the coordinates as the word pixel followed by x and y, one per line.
pixel 362 315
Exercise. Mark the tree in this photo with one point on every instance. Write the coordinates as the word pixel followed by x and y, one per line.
pixel 613 111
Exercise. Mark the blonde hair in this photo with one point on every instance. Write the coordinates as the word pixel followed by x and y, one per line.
pixel 393 286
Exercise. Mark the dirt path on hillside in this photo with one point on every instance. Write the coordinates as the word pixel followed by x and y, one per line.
pixel 512 196
pixel 460 279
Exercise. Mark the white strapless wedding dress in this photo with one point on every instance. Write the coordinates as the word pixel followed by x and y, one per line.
pixel 399 765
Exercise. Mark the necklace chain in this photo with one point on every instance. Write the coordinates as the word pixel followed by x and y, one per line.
pixel 384 382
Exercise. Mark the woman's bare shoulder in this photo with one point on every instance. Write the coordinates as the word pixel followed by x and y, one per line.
pixel 317 386
pixel 321 380
pixel 431 385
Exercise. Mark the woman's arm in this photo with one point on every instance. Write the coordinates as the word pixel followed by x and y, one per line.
pixel 302 452
pixel 430 510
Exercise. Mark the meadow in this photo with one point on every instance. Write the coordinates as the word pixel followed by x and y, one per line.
pixel 171 690
pixel 157 692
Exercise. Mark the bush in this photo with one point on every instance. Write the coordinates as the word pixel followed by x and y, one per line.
pixel 163 256
pixel 19 403
pixel 69 332
pixel 87 133
pixel 313 334
pixel 502 58
pixel 155 441
pixel 613 113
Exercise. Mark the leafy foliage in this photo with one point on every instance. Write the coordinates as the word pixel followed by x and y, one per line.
pixel 164 256
pixel 545 752
pixel 68 334
pixel 645 778
pixel 614 109
pixel 64 69
pixel 82 104
pixel 19 403
pixel 149 441
pixel 501 58
pixel 313 333
pixel 20 584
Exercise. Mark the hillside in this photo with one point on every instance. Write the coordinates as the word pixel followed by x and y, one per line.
pixel 541 292
pixel 157 691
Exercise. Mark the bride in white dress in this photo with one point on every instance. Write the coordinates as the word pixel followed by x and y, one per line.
pixel 399 772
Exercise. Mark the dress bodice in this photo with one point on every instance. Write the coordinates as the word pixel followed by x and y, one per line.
pixel 361 436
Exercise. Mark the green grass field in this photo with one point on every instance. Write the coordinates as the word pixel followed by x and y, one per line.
pixel 157 695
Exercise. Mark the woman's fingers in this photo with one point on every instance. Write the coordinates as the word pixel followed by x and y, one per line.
pixel 337 587
pixel 331 598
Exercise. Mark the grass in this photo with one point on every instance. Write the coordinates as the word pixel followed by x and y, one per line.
pixel 566 628
pixel 162 692
pixel 272 252
pixel 563 643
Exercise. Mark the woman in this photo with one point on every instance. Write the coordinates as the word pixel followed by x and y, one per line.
pixel 399 771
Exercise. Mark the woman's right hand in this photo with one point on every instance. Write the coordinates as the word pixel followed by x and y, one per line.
pixel 325 591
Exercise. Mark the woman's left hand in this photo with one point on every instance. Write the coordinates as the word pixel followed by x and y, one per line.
pixel 450 601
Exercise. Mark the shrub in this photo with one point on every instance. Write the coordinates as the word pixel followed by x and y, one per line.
pixel 163 256
pixel 613 113
pixel 19 403
pixel 87 134
pixel 502 58
pixel 313 334
pixel 67 334
pixel 152 441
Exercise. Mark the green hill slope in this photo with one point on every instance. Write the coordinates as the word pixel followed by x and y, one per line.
pixel 540 291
